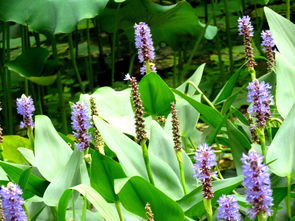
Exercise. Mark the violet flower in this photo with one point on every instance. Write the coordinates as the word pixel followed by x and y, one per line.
pixel 268 46
pixel 246 30
pixel 144 45
pixel 260 95
pixel 205 160
pixel 228 208
pixel 26 108
pixel 257 184
pixel 12 203
pixel 81 124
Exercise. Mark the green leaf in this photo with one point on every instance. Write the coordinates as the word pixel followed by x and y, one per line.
pixel 35 184
pixel 227 89
pixel 137 192
pixel 281 152
pixel 63 204
pixel 283 32
pixel 99 203
pixel 208 114
pixel 175 24
pixel 103 173
pixel 11 143
pixel 239 144
pixel 28 155
pixel 50 16
pixel 156 95
pixel 192 203
pixel 195 78
pixel 51 151
pixel 69 176
pixel 285 90
pixel 161 145
pixel 121 117
pixel 130 156
pixel 33 64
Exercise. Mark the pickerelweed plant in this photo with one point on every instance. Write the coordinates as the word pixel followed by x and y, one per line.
pixel 152 152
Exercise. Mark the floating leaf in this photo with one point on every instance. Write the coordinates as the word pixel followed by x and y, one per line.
pixel 50 16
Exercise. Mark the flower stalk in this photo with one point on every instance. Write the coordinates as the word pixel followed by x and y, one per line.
pixel 141 135
pixel 177 145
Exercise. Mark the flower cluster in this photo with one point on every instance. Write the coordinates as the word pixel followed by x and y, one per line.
pixel 81 125
pixel 259 93
pixel 268 46
pixel 246 30
pixel 12 203
pixel 228 208
pixel 257 184
pixel 26 108
pixel 175 128
pixel 149 212
pixel 138 107
pixel 205 160
pixel 145 47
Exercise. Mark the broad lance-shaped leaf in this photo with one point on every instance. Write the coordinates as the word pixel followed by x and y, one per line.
pixel 136 192
pixel 195 78
pixel 99 203
pixel 104 171
pixel 283 32
pixel 51 151
pixel 156 95
pixel 281 152
pixel 72 174
pixel 130 156
pixel 50 16
pixel 285 91
pixel 161 145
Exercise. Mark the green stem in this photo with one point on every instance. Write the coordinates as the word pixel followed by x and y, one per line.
pixel 31 136
pixel 114 41
pixel 252 73
pixel 208 208
pixel 131 64
pixel 147 161
pixel 74 62
pixel 181 170
pixel 202 94
pixel 60 93
pixel 229 42
pixel 288 9
pixel 1 152
pixel 288 198
pixel 118 208
pixel 8 80
pixel 89 63
pixel 269 131
pixel 262 217
pixel 261 135
pixel 39 99
pixel 73 207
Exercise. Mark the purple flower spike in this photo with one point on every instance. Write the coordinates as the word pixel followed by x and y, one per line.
pixel 257 184
pixel 144 42
pixel 268 46
pixel 81 125
pixel 245 26
pixel 228 208
pixel 25 107
pixel 12 203
pixel 205 160
pixel 260 95
pixel 246 30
